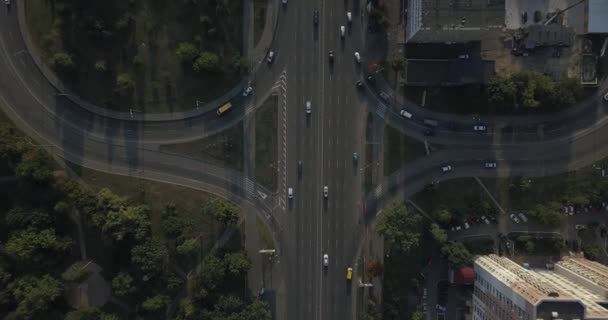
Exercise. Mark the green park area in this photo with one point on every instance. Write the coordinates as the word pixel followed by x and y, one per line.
pixel 146 55
pixel 524 92
pixel 141 248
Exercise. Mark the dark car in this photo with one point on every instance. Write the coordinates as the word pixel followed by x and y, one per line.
pixel 371 79
pixel 331 56
pixel 359 84
pixel 315 17
pixel 299 167
pixel 428 132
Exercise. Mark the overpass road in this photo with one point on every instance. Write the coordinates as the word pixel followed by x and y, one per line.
pixel 308 225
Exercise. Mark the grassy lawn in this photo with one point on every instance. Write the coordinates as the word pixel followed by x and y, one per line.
pixel 224 148
pixel 542 190
pixel 259 19
pixel 458 195
pixel 264 234
pixel 399 149
pixel 139 38
pixel 266 143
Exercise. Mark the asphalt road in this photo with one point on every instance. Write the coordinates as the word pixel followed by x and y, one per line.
pixel 309 225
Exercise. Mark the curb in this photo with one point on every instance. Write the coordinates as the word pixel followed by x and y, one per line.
pixel 59 86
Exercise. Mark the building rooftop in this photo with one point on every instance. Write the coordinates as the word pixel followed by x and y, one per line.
pixel 597 13
pixel 559 289
pixel 453 20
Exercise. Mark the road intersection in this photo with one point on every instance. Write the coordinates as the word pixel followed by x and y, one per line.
pixel 308 225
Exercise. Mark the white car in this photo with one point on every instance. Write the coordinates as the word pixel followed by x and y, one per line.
pixel 522 216
pixel 284 1
pixel 485 220
pixel 463 56
pixel 247 91
pixel 446 168
pixel 349 17
pixel 342 31
pixel 7 2
pixel 514 218
pixel 308 107
pixel 479 127
pixel 290 193
pixel 405 114
pixel 325 191
pixel 325 260
pixel 357 57
pixel 490 165
pixel 466 225
pixel 270 56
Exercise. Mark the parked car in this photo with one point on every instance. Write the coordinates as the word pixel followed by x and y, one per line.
pixel 466 225
pixel 514 217
pixel 522 216
pixel 580 226
pixel 485 220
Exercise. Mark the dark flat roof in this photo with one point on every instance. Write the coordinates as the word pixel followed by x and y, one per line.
pixel 453 72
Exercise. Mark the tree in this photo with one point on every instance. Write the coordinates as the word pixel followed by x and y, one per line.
pixel 122 284
pixel 128 220
pixel 240 64
pixel 61 61
pixel 124 82
pixel 34 294
pixel 22 218
pixel 186 52
pixel 173 224
pixel 77 272
pixel 188 247
pixel 155 304
pixel 444 216
pixel 33 246
pixel 374 268
pixel 399 227
pixel 257 310
pixel 150 257
pixel 592 252
pixel 237 263
pixel 89 313
pixel 417 315
pixel 224 212
pixel 458 255
pixel 520 184
pixel 440 235
pixel 211 275
pixel 502 92
pixel 549 214
pixel 398 63
pixel 100 66
pixel 206 62
pixel 34 167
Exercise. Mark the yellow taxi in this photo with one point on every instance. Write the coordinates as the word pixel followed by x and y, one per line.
pixel 349 273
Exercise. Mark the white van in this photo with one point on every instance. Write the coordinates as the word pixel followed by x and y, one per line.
pixel 405 114
pixel 290 193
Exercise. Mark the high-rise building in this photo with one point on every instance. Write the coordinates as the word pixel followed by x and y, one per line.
pixel 574 288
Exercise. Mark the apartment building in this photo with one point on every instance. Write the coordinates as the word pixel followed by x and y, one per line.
pixel 574 288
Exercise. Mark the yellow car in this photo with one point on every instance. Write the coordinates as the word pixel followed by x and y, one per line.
pixel 349 273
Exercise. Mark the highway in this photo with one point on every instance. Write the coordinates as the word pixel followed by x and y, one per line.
pixel 308 225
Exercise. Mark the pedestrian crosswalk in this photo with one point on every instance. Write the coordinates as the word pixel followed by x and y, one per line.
pixel 381 110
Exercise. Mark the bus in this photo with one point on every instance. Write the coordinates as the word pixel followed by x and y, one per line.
pixel 223 109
